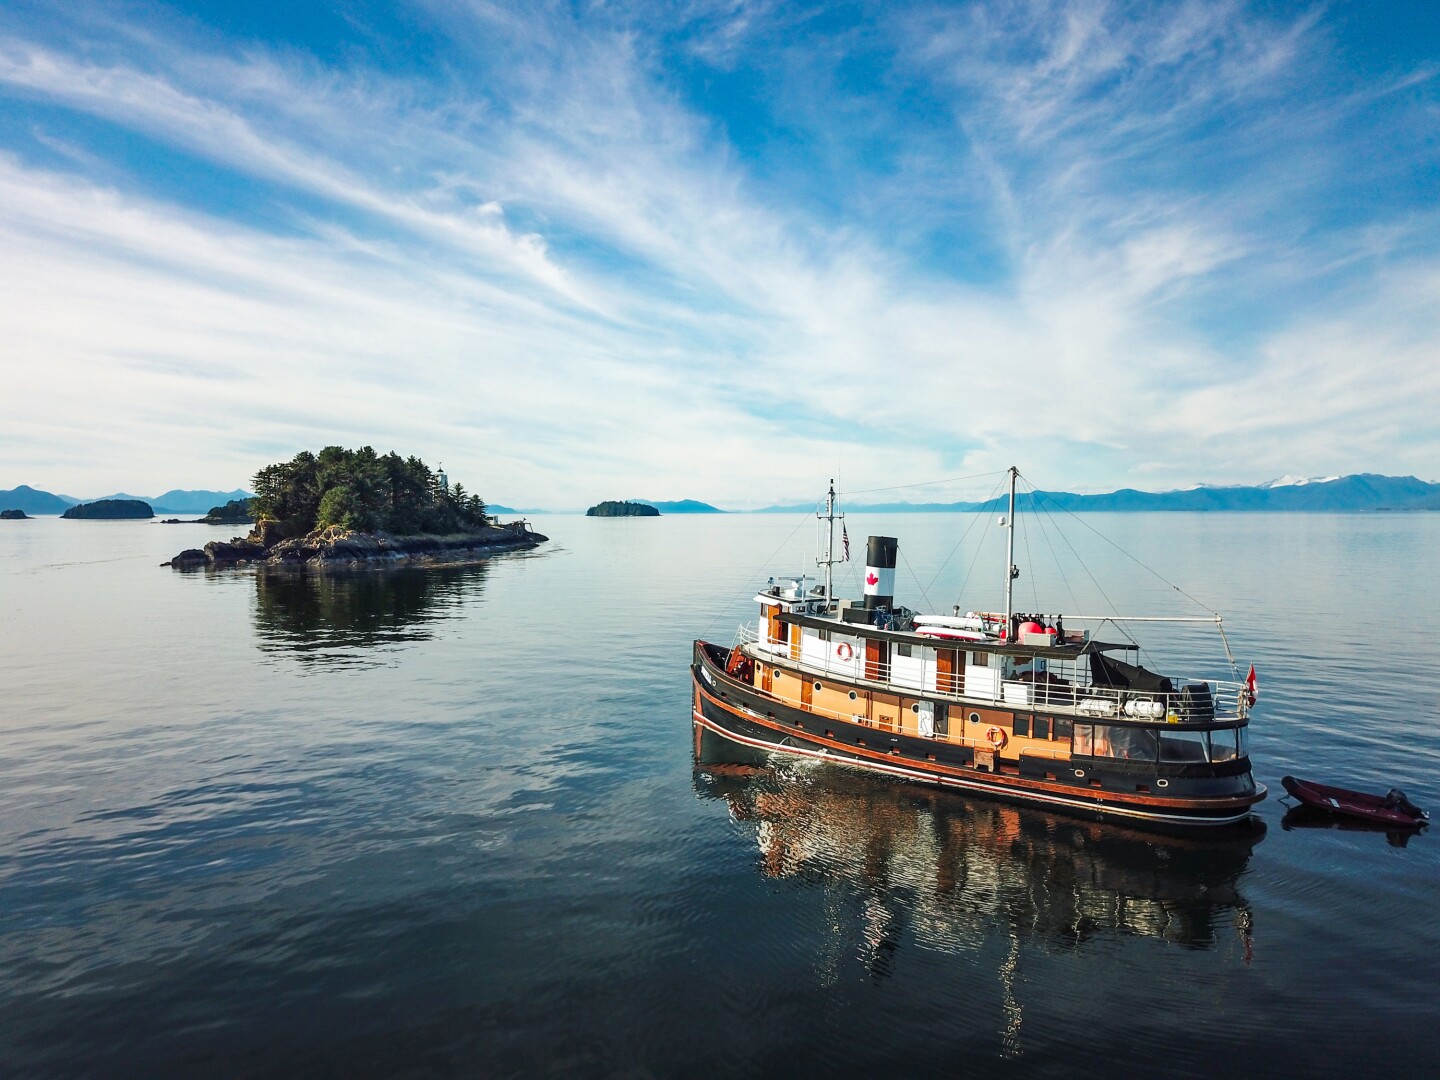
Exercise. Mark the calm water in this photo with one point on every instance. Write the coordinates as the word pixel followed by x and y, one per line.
pixel 447 823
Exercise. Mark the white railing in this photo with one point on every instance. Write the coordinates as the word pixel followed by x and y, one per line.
pixel 1074 697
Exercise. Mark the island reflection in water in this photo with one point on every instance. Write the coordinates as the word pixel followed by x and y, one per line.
pixel 355 618
pixel 949 872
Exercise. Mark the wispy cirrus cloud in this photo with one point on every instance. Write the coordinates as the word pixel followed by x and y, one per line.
pixel 619 251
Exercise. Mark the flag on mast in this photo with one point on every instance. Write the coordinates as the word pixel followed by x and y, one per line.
pixel 1252 685
pixel 845 541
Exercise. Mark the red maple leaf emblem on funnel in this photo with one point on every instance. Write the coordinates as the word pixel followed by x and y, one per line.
pixel 871 579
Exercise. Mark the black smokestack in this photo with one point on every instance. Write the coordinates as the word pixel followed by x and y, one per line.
pixel 880 554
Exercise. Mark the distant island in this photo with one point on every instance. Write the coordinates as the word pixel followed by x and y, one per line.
pixel 110 510
pixel 14 515
pixel 344 508
pixel 624 508
pixel 234 512
pixel 176 501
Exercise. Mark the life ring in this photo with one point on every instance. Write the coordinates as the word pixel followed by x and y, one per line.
pixel 844 651
pixel 996 737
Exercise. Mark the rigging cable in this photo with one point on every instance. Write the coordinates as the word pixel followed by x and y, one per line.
pixel 1098 587
pixel 1148 569
pixel 1059 568
pixel 1234 667
pixel 978 548
pixel 927 483
pixel 1029 562
pixel 747 586
pixel 923 593
pixel 979 516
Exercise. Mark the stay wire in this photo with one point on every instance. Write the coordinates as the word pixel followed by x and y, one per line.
pixel 916 577
pixel 1059 567
pixel 975 520
pixel 1148 569
pixel 927 483
pixel 1029 562
pixel 1224 641
pixel 970 570
pixel 1098 587
pixel 747 586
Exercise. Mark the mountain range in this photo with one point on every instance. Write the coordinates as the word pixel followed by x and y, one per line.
pixel 1357 493
pixel 33 501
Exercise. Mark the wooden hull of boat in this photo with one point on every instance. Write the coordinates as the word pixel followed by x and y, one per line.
pixel 1352 804
pixel 734 720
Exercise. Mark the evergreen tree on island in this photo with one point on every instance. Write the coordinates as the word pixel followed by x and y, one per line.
pixel 365 492
pixel 626 508
pixel 110 510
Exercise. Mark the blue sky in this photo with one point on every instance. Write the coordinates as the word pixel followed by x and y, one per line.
pixel 719 250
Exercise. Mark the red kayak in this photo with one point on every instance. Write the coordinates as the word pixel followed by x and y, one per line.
pixel 1392 808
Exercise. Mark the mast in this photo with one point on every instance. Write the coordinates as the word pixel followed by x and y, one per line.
pixel 1011 570
pixel 829 518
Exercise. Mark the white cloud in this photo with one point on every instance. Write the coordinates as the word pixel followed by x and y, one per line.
pixel 555 274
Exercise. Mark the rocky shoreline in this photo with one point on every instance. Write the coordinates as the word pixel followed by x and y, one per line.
pixel 334 548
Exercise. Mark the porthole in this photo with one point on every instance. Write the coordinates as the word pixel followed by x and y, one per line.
pixel 1162 783
pixel 852 695
pixel 817 686
pixel 974 718
pixel 915 708
pixel 1080 774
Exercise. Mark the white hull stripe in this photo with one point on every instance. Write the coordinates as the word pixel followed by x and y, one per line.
pixel 984 788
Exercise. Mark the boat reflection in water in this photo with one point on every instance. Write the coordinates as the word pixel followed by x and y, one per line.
pixel 949 871
pixel 356 617
pixel 1308 817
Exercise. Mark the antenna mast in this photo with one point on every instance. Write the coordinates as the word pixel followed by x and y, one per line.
pixel 1011 570
pixel 829 517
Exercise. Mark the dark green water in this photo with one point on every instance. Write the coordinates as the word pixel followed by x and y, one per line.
pixel 446 823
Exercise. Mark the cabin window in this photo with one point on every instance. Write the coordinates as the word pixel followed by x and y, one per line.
pixel 979 659
pixel 1041 728
pixel 1022 726
pixel 902 649
pixel 1242 741
pixel 825 635
pixel 1223 745
pixel 1133 744
pixel 1064 728
pixel 1183 746
pixel 1114 741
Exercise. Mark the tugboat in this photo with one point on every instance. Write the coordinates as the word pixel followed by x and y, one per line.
pixel 1005 704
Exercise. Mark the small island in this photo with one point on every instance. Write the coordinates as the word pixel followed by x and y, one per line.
pixel 14 515
pixel 624 508
pixel 346 509
pixel 234 512
pixel 110 510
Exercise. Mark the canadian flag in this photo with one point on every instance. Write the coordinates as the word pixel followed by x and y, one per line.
pixel 1252 685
